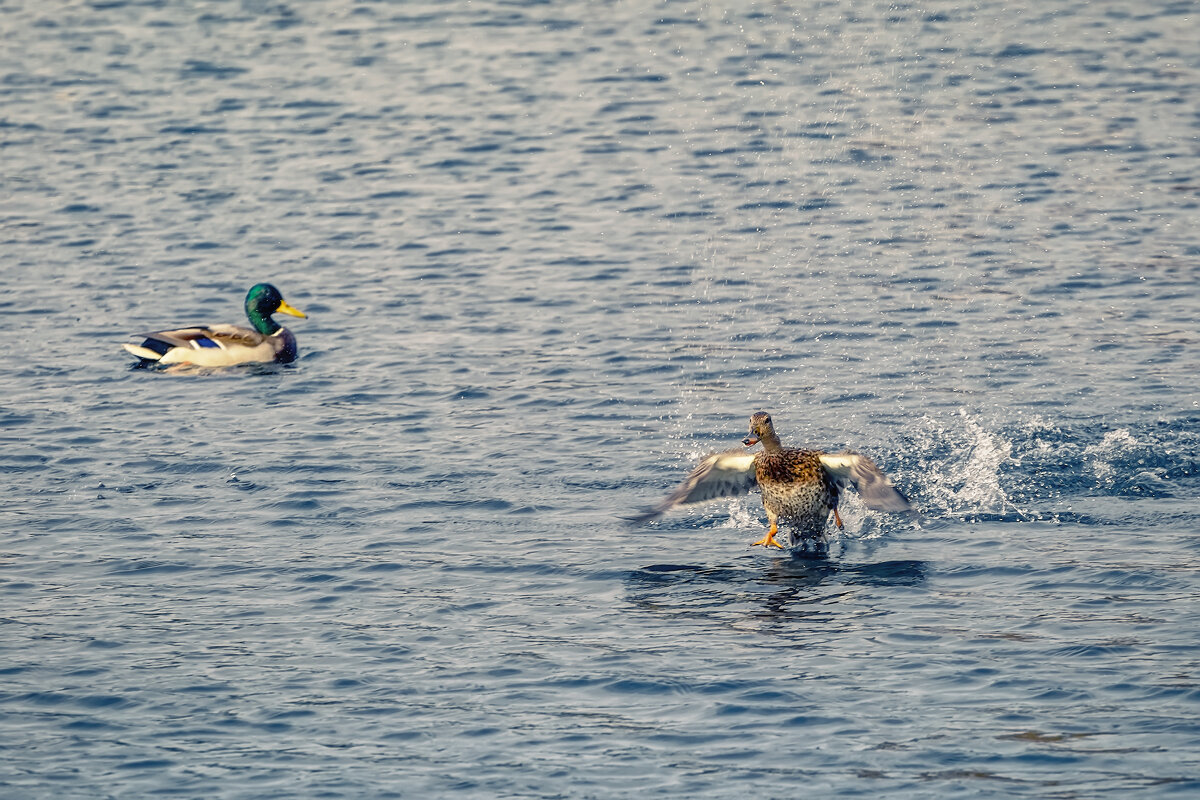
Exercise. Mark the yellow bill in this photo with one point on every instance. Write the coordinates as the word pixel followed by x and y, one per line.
pixel 284 308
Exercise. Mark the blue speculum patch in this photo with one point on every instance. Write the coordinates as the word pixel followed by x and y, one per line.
pixel 207 343
pixel 159 347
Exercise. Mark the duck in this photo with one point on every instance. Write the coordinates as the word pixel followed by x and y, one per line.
pixel 799 487
pixel 227 345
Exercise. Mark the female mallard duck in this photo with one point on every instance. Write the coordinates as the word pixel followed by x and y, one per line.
pixel 226 345
pixel 798 486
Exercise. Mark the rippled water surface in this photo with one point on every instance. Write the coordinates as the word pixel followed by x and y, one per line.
pixel 552 253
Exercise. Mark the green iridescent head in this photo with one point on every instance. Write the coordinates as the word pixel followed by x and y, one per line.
pixel 262 301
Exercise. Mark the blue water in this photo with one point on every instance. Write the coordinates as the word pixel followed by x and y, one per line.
pixel 553 253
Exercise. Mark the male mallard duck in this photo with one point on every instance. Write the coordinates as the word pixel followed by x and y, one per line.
pixel 225 345
pixel 798 486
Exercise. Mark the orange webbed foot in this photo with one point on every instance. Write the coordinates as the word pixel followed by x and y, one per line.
pixel 769 539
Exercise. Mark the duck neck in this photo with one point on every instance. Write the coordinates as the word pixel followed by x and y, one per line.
pixel 771 443
pixel 263 323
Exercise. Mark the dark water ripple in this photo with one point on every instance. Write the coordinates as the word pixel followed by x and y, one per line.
pixel 551 254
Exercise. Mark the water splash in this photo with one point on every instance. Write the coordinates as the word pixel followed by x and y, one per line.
pixel 742 517
pixel 1029 470
pixel 962 470
pixel 1126 465
pixel 1100 455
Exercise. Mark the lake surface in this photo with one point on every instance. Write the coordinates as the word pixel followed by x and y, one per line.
pixel 553 253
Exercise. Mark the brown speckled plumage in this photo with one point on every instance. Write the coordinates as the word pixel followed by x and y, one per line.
pixel 795 489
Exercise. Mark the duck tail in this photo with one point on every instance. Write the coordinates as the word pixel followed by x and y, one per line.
pixel 149 350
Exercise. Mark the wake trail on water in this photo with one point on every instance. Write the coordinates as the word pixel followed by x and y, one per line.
pixel 1037 470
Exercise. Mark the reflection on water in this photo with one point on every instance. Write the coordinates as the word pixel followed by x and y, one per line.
pixel 780 587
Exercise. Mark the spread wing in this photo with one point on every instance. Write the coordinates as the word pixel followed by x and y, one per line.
pixel 875 488
pixel 720 475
